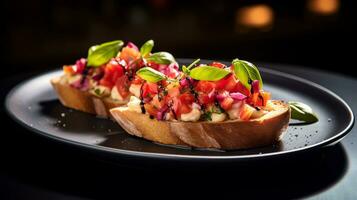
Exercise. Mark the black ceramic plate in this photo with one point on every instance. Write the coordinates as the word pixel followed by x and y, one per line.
pixel 34 105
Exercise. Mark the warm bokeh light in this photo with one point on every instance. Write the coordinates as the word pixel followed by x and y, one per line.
pixel 324 7
pixel 258 16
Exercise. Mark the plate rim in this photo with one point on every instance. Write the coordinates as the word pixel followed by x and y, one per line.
pixel 102 149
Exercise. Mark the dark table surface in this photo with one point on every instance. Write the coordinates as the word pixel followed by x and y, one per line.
pixel 33 167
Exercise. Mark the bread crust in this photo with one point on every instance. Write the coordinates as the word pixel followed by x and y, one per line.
pixel 83 100
pixel 230 134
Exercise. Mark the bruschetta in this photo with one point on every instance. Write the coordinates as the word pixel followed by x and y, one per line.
pixel 204 105
pixel 107 77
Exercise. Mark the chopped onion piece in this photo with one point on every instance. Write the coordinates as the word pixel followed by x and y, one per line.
pixel 238 96
pixel 132 45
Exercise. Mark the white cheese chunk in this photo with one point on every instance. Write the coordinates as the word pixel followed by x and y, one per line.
pixel 218 117
pixel 134 104
pixel 233 114
pixel 115 94
pixel 135 89
pixel 192 116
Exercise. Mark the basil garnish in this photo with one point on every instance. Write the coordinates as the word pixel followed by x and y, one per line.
pixel 146 48
pixel 186 70
pixel 161 58
pixel 150 74
pixel 208 73
pixel 100 54
pixel 302 112
pixel 246 72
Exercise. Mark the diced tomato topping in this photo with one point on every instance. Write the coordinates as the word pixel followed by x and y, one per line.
pixel 153 65
pixel 205 99
pixel 227 102
pixel 261 99
pixel 266 97
pixel 228 83
pixel 112 71
pixel 173 92
pixel 187 98
pixel 242 89
pixel 217 64
pixel 129 54
pixel 106 83
pixel 205 86
pixel 123 85
pixel 149 89
pixel 68 69
pixel 253 99
pixel 137 80
pixel 176 104
pixel 184 108
pixel 246 112
pixel 164 83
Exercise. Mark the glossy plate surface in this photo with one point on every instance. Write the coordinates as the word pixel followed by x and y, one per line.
pixel 34 104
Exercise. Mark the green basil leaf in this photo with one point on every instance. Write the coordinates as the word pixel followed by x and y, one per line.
pixel 161 58
pixel 241 73
pixel 246 72
pixel 186 70
pixel 150 74
pixel 302 112
pixel 100 54
pixel 208 73
pixel 146 48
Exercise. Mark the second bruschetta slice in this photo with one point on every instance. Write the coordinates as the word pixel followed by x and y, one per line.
pixel 107 77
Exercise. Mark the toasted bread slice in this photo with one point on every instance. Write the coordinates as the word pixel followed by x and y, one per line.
pixel 230 134
pixel 83 100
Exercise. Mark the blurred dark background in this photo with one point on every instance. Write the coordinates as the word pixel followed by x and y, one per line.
pixel 41 35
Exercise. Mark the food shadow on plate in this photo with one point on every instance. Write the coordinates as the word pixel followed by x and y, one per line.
pixel 128 142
